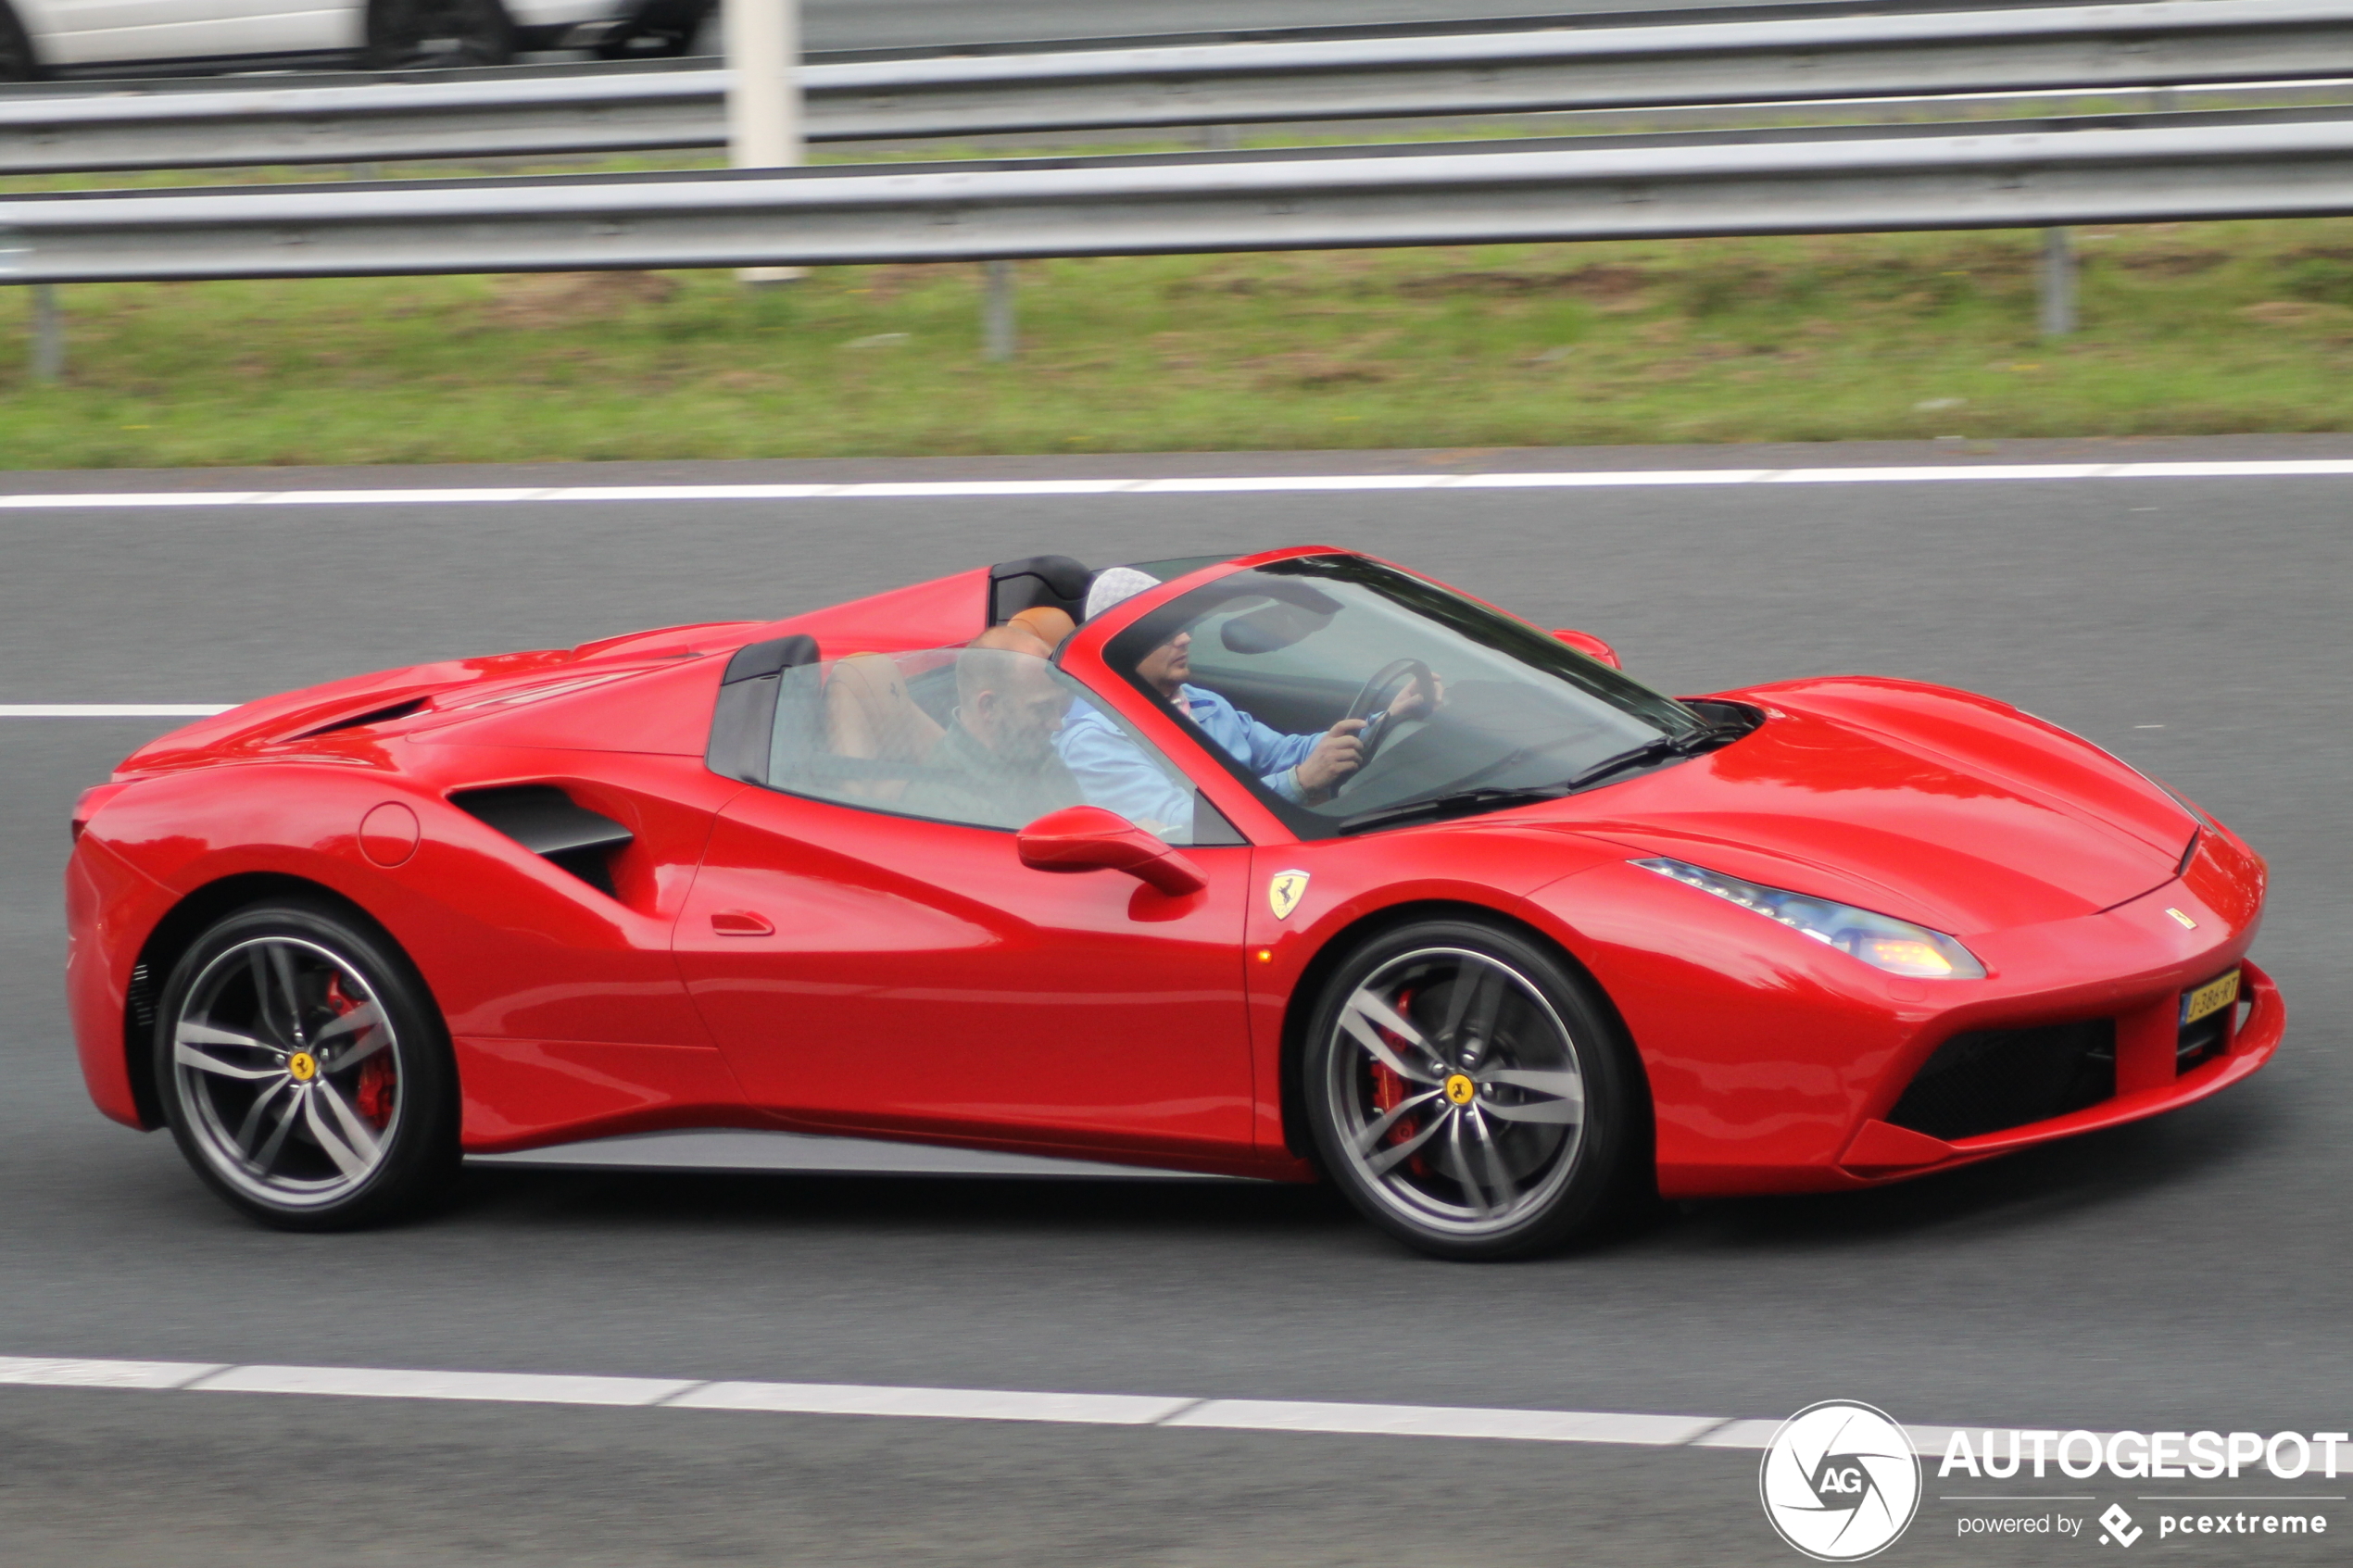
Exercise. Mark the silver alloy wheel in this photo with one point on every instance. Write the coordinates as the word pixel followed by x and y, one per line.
pixel 287 1073
pixel 1456 1091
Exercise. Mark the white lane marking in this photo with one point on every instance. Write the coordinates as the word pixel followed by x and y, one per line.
pixel 112 710
pixel 1759 1434
pixel 1439 1421
pixel 954 1404
pixel 945 1404
pixel 2278 467
pixel 46 1371
pixel 1739 1435
pixel 380 1382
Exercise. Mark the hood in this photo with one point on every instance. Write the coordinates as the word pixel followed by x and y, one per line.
pixel 1916 801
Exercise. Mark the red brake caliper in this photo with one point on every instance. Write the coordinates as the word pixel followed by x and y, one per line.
pixel 1390 1092
pixel 378 1077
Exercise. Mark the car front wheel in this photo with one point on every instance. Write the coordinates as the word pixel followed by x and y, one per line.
pixel 304 1070
pixel 1470 1093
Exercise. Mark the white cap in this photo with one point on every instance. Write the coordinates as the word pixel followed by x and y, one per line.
pixel 1115 584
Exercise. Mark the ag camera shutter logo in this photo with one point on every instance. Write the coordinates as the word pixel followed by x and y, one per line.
pixel 1840 1481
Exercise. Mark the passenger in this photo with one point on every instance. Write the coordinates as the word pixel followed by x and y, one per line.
pixel 996 764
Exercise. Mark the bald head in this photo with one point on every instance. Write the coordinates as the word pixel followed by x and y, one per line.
pixel 1005 693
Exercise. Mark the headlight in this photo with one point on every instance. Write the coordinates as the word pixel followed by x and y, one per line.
pixel 1882 941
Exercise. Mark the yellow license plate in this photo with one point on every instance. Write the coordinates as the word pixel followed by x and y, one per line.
pixel 2210 997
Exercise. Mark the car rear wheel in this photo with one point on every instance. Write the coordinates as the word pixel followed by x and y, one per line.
pixel 1470 1095
pixel 422 34
pixel 305 1071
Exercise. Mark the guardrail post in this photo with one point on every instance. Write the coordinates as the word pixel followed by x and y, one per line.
pixel 2058 283
pixel 48 335
pixel 998 342
pixel 763 98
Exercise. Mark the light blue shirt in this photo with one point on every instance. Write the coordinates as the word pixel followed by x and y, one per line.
pixel 1118 777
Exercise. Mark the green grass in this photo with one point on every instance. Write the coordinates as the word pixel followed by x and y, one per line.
pixel 2187 329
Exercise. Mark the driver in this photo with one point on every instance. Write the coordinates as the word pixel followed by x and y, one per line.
pixel 1305 769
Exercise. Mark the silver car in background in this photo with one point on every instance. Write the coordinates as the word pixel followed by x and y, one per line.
pixel 42 38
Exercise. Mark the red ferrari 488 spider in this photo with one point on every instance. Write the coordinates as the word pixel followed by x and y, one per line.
pixel 1296 865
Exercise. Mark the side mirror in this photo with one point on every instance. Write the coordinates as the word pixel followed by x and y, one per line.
pixel 1590 645
pixel 1087 838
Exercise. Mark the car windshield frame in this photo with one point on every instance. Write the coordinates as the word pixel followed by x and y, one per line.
pixel 1489 633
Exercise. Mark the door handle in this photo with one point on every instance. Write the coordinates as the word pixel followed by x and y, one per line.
pixel 740 923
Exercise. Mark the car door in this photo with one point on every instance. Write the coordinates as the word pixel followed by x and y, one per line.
pixel 868 968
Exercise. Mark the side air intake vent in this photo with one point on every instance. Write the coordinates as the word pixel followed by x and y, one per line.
pixel 550 824
pixel 373 716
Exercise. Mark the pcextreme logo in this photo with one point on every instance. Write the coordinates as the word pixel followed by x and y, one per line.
pixel 1840 1481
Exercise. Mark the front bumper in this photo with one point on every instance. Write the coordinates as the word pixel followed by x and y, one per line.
pixel 2147 1086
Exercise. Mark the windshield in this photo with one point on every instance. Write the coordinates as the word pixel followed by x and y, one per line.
pixel 1281 665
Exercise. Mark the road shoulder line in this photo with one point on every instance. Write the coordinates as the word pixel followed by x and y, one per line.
pixel 1267 485
pixel 1326 1418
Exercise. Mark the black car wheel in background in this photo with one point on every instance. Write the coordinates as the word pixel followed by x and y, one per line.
pixel 17 61
pixel 417 35
pixel 662 28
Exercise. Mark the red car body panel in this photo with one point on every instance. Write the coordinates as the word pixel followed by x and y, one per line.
pixel 916 979
pixel 769 960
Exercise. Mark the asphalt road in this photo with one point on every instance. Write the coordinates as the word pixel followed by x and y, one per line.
pixel 2191 1272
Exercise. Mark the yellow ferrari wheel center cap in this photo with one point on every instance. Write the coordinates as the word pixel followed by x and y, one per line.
pixel 1460 1089
pixel 303 1065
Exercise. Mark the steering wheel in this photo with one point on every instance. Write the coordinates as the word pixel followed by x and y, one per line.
pixel 1389 682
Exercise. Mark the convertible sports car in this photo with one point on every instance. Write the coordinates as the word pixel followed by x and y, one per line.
pixel 1297 865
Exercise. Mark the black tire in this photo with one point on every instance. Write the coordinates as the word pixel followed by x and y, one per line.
pixel 293 1112
pixel 18 62
pixel 665 29
pixel 428 34
pixel 1475 1044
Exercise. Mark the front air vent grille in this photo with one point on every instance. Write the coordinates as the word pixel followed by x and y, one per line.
pixel 139 1002
pixel 553 826
pixel 1996 1079
pixel 2195 1045
pixel 373 716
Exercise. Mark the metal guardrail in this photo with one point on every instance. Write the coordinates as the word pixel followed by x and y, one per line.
pixel 1505 70
pixel 2289 163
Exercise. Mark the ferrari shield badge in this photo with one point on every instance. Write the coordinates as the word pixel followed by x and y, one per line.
pixel 1284 892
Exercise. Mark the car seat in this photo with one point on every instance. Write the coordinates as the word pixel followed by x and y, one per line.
pixel 870 716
